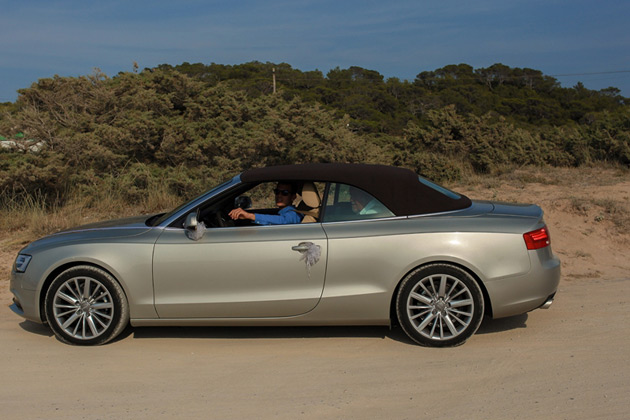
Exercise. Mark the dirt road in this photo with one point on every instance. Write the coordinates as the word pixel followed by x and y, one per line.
pixel 568 362
pixel 571 361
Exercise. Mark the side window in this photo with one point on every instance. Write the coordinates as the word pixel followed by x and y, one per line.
pixel 215 214
pixel 345 202
pixel 265 204
pixel 262 196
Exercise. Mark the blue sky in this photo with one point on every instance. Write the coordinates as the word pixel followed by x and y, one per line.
pixel 41 38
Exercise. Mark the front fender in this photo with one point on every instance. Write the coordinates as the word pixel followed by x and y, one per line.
pixel 129 263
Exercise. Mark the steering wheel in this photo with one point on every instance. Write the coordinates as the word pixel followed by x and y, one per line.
pixel 222 219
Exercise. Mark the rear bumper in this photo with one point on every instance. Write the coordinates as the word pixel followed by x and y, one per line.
pixel 536 289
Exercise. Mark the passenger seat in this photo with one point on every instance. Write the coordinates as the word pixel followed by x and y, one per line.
pixel 310 204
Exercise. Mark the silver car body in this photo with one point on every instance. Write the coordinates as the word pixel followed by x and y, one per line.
pixel 250 275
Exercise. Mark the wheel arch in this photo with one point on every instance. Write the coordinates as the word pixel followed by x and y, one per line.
pixel 60 269
pixel 486 297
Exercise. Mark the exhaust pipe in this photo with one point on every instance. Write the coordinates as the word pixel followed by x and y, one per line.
pixel 548 302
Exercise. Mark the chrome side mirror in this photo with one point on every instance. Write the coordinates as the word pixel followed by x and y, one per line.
pixel 194 229
pixel 191 221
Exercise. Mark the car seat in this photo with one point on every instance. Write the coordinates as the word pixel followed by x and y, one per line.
pixel 310 204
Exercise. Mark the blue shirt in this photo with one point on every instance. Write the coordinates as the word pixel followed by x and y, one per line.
pixel 286 216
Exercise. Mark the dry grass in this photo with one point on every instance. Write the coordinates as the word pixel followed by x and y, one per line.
pixel 589 192
pixel 599 175
pixel 27 218
pixel 615 210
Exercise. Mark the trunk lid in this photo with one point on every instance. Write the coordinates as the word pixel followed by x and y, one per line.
pixel 520 210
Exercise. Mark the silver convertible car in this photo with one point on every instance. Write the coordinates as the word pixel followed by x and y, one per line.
pixel 361 245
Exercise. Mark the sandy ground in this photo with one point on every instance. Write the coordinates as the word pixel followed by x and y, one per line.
pixel 571 361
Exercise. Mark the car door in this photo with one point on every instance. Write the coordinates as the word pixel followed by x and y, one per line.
pixel 238 272
pixel 365 253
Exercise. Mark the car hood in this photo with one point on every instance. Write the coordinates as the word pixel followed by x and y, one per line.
pixel 101 231
pixel 136 222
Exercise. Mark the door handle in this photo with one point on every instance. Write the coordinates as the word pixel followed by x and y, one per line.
pixel 300 248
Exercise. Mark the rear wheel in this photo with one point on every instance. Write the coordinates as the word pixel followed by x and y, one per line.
pixel 439 305
pixel 85 305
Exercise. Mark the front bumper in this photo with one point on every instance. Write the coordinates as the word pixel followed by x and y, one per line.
pixel 17 308
pixel 25 302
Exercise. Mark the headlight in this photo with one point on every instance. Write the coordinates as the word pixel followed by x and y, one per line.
pixel 21 262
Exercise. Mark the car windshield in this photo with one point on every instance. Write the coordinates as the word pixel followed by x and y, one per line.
pixel 155 221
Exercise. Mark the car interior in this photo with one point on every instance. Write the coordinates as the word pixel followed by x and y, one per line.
pixel 258 198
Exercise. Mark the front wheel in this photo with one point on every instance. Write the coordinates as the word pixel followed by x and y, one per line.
pixel 85 305
pixel 439 305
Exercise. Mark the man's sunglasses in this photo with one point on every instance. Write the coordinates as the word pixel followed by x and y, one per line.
pixel 282 192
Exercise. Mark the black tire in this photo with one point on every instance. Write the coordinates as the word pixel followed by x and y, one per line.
pixel 85 305
pixel 439 305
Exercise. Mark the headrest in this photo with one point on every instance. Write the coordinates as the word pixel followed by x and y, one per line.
pixel 310 196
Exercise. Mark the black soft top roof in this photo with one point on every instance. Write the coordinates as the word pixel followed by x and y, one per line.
pixel 397 188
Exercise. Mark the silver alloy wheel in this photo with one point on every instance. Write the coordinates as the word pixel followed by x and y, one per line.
pixel 83 307
pixel 440 307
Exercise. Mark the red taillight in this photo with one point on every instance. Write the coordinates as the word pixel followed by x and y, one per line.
pixel 537 239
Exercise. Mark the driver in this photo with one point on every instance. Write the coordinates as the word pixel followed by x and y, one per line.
pixel 285 193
